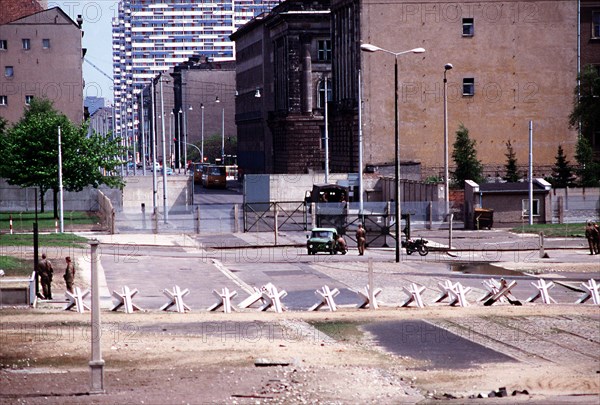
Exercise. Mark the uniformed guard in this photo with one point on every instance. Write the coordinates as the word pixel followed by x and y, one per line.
pixel 46 272
pixel 69 275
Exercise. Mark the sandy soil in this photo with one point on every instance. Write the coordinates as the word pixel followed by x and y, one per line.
pixel 169 358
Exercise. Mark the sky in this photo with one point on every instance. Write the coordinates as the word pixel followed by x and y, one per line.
pixel 97 27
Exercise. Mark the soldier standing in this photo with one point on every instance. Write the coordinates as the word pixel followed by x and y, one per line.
pixel 69 275
pixel 361 239
pixel 592 235
pixel 46 272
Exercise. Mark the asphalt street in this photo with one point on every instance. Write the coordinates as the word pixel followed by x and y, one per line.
pixel 241 262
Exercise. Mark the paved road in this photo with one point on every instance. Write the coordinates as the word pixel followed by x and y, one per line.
pixel 242 261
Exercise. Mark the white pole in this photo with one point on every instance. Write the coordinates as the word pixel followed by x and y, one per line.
pixel 96 363
pixel 530 172
pixel 60 185
pixel 143 132
pixel 202 135
pixel 164 154
pixel 326 136
pixel 153 140
pixel 223 137
pixel 184 140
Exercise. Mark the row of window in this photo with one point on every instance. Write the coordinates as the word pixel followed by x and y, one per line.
pixel 4 100
pixel 468 26
pixel 25 43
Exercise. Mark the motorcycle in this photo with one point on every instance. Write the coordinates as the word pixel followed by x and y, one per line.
pixel 416 245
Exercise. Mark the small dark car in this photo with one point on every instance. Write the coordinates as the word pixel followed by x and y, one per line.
pixel 324 240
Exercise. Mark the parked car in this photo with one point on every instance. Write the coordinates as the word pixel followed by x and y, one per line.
pixel 169 171
pixel 324 240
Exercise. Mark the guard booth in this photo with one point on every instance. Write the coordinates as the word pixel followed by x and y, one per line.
pixel 331 205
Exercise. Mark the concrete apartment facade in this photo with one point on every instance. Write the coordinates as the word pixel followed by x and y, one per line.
pixel 285 56
pixel 151 37
pixel 513 62
pixel 41 56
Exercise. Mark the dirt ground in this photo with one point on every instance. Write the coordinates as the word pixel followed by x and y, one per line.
pixel 171 358
pixel 251 357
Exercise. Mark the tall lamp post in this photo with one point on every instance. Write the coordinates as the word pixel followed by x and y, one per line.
pixel 373 48
pixel 222 132
pixel 185 159
pixel 447 67
pixel 202 135
pixel 180 124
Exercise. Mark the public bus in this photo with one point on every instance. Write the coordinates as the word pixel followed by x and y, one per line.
pixel 214 176
pixel 198 169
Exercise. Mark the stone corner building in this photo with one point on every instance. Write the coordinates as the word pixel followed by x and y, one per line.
pixel 293 42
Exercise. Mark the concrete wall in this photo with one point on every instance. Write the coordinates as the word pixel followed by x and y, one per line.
pixel 138 190
pixel 291 187
pixel 15 198
pixel 575 205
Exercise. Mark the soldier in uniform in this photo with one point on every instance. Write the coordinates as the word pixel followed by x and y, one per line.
pixel 46 272
pixel 592 234
pixel 69 275
pixel 361 238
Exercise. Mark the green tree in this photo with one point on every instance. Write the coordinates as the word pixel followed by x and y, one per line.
pixel 588 170
pixel 586 106
pixel 512 172
pixel 468 167
pixel 30 153
pixel 212 148
pixel 562 172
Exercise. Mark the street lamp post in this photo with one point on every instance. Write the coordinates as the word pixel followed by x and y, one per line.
pixel 447 67
pixel 185 159
pixel 222 132
pixel 373 48
pixel 202 135
pixel 180 123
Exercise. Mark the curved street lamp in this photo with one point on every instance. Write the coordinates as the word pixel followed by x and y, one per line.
pixel 373 48
pixel 447 67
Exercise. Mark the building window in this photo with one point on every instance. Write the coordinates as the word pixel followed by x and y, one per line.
pixel 595 24
pixel 46 43
pixel 324 53
pixel 321 96
pixel 3 44
pixel 525 206
pixel 3 100
pixel 468 86
pixel 26 43
pixel 468 27
pixel 9 71
pixel 28 99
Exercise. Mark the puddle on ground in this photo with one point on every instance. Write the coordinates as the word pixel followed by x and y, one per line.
pixel 483 268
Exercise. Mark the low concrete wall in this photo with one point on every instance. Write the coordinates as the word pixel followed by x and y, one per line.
pixel 573 205
pixel 15 198
pixel 292 187
pixel 138 190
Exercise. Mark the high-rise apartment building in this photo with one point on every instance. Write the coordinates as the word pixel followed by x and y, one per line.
pixel 149 37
